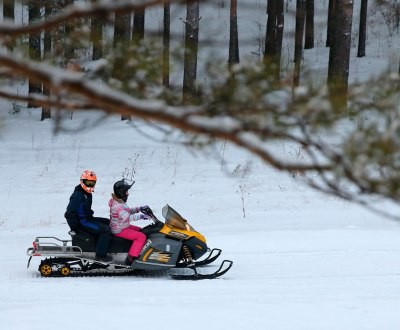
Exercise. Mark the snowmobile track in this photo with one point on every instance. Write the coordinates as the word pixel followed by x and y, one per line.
pixel 60 267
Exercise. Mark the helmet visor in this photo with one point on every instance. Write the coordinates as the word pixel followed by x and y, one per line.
pixel 127 183
pixel 89 183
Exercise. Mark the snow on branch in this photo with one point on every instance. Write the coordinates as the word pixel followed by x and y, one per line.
pixel 89 94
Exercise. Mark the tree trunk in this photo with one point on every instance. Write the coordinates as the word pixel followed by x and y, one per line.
pixel 339 55
pixel 309 36
pixel 362 28
pixel 122 28
pixel 299 33
pixel 331 22
pixel 8 13
pixel 191 48
pixel 138 25
pixel 274 36
pixel 166 42
pixel 35 87
pixel 270 36
pixel 69 49
pixel 233 36
pixel 8 9
pixel 48 11
pixel 399 68
pixel 96 36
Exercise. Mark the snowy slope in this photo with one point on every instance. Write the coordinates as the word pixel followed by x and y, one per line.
pixel 301 260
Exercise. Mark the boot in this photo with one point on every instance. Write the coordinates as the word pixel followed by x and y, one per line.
pixel 129 260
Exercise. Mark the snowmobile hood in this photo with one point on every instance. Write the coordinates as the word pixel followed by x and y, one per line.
pixel 176 232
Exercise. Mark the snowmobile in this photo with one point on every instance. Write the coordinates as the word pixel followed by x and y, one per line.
pixel 171 246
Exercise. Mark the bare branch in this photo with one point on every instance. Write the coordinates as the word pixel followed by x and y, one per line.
pixel 189 119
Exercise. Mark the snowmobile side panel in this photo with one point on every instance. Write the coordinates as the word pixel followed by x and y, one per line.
pixel 197 247
pixel 159 252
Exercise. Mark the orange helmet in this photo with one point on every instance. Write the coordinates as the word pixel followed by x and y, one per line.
pixel 88 180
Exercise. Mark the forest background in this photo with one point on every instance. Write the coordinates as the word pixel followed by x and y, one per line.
pixel 302 260
pixel 250 101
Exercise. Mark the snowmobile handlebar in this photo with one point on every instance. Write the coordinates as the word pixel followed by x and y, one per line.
pixel 150 213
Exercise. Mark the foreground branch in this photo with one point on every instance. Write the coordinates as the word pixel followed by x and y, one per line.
pixel 188 119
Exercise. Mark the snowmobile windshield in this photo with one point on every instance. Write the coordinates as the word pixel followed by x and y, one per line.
pixel 173 218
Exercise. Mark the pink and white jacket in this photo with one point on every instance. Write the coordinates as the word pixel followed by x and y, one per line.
pixel 121 214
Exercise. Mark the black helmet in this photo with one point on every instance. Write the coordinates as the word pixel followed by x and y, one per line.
pixel 121 188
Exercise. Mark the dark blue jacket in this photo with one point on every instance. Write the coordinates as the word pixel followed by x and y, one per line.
pixel 79 207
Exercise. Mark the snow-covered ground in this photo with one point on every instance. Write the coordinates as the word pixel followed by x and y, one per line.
pixel 301 260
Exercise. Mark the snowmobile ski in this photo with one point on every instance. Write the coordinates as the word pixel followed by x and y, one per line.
pixel 212 256
pixel 223 268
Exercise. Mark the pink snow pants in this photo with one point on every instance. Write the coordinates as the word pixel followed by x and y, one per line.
pixel 134 234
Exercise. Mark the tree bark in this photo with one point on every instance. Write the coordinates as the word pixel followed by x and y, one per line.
pixel 270 36
pixel 166 42
pixel 122 28
pixel 35 86
pixel 339 55
pixel 191 48
pixel 298 48
pixel 138 25
pixel 309 35
pixel 8 13
pixel 69 49
pixel 331 22
pixel 399 67
pixel 96 36
pixel 233 36
pixel 274 36
pixel 8 9
pixel 362 34
pixel 48 11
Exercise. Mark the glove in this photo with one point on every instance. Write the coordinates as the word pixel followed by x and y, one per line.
pixel 143 208
pixel 144 217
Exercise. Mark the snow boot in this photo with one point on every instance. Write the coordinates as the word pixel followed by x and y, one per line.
pixel 129 260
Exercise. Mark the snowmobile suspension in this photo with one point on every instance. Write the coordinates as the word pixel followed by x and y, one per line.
pixel 188 256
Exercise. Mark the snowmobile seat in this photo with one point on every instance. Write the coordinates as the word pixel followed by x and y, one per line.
pixel 87 242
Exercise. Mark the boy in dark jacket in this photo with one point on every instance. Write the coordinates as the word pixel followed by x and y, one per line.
pixel 79 214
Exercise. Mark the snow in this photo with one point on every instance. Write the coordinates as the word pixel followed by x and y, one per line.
pixel 302 260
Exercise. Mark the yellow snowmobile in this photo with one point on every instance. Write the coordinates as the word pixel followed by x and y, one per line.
pixel 174 246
